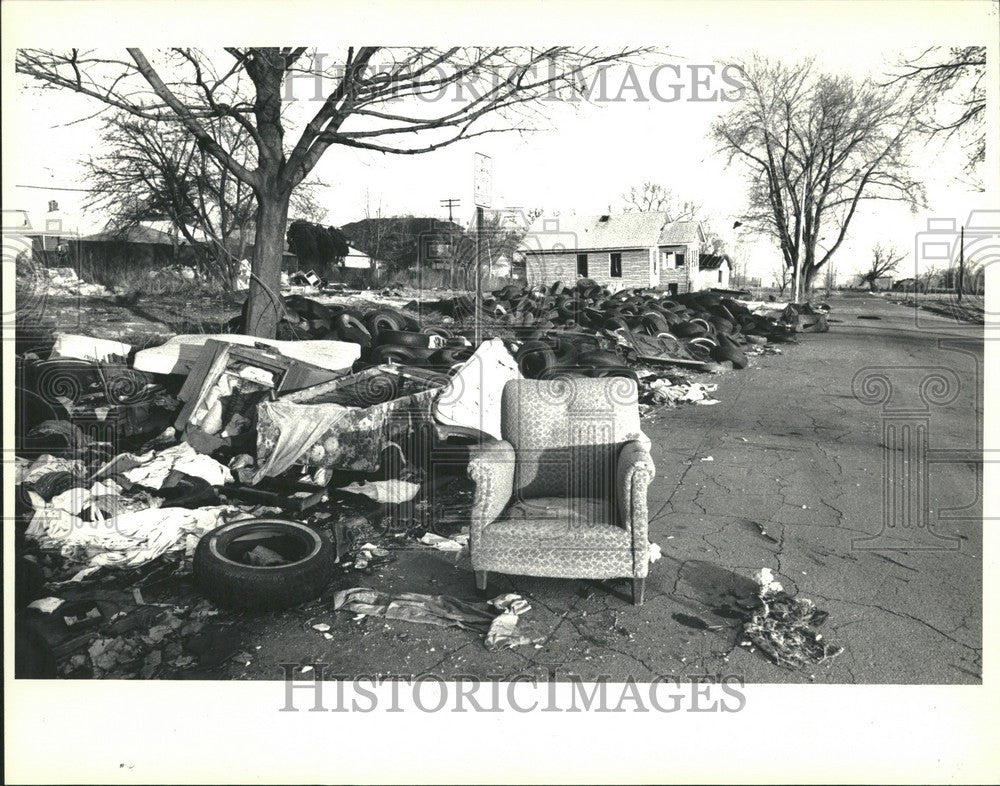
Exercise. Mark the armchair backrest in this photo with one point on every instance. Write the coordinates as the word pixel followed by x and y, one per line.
pixel 566 433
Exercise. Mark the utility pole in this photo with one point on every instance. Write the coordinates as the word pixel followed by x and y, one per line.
pixel 450 203
pixel 961 262
pixel 797 280
pixel 483 197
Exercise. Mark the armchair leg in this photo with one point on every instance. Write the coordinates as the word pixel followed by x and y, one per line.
pixel 481 576
pixel 638 590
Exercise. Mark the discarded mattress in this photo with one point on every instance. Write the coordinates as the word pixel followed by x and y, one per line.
pixel 180 353
pixel 98 350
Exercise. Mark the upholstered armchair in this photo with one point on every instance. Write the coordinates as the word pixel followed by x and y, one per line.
pixel 564 492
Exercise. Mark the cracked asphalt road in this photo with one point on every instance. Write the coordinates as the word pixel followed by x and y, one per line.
pixel 802 445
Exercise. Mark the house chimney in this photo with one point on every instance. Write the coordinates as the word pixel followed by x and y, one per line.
pixel 53 206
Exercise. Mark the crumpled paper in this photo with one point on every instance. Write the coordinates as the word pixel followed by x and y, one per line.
pixel 504 633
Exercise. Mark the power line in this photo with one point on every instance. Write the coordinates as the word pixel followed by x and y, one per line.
pixel 56 188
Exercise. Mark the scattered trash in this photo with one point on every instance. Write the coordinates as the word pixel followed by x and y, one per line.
pixel 262 556
pixel 134 539
pixel 766 584
pixel 209 433
pixel 439 610
pixel 46 605
pixel 392 492
pixel 458 543
pixel 504 634
pixel 151 469
pixel 785 627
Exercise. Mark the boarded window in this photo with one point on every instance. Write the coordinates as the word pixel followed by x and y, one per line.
pixel 678 260
pixel 581 265
pixel 616 266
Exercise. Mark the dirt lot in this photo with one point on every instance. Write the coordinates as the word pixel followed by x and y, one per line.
pixel 969 309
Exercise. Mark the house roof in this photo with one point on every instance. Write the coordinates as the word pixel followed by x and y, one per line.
pixel 681 233
pixel 134 234
pixel 713 261
pixel 609 231
pixel 590 232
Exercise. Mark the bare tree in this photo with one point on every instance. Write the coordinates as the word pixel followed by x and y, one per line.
pixel 390 100
pixel 952 80
pixel 814 146
pixel 927 276
pixel 885 259
pixel 781 275
pixel 656 198
pixel 157 171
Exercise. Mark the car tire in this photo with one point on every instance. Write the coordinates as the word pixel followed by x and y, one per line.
pixel 221 576
pixel 384 319
pixel 401 356
pixel 534 358
pixel 403 338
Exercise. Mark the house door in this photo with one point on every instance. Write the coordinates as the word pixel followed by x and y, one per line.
pixel 672 289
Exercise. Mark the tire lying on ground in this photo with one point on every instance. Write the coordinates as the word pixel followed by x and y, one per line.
pixel 450 356
pixel 600 359
pixel 403 338
pixel 226 575
pixel 402 356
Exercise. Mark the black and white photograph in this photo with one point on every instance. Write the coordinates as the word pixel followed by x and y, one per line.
pixel 621 371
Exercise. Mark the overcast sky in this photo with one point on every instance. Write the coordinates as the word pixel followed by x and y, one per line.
pixel 585 157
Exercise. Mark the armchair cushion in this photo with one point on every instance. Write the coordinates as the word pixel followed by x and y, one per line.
pixel 559 522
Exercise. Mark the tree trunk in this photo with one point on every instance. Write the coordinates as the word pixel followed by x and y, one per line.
pixel 264 308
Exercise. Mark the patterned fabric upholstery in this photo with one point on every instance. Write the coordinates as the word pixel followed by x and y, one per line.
pixel 564 493
pixel 566 433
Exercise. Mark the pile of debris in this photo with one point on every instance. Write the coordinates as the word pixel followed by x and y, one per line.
pixel 219 455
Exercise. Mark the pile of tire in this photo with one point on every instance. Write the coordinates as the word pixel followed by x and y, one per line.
pixel 703 325
pixel 561 330
pixel 430 347
pixel 385 335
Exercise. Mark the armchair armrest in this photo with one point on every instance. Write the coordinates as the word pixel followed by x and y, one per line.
pixel 635 471
pixel 491 467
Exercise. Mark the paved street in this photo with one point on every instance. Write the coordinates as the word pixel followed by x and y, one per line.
pixel 799 447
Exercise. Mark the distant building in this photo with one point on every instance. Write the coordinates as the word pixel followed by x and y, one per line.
pixel 714 271
pixel 619 251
